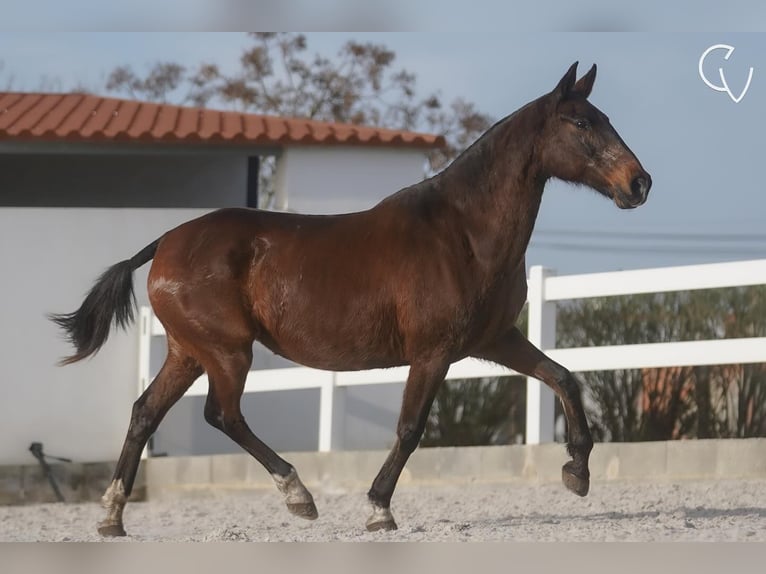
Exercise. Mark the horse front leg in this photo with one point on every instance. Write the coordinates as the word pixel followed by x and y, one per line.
pixel 514 351
pixel 423 381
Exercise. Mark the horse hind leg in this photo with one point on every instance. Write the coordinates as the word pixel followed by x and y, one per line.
pixel 222 411
pixel 175 377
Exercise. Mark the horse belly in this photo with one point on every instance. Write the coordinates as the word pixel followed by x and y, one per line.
pixel 333 333
pixel 340 350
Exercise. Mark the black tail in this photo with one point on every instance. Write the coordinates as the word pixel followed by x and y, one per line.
pixel 110 300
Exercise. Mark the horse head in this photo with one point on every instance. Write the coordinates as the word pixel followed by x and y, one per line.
pixel 581 146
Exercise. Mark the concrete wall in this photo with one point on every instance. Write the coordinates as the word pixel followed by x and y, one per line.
pixel 650 461
pixel 181 477
pixel 123 181
pixel 339 180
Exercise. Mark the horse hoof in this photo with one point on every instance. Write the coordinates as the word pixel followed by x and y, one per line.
pixel 576 484
pixel 111 529
pixel 381 525
pixel 381 519
pixel 307 510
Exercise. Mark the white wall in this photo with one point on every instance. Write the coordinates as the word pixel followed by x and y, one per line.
pixel 344 179
pixel 49 259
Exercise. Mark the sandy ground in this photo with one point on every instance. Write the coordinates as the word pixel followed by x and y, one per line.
pixel 690 511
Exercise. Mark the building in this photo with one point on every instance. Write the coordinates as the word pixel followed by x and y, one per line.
pixel 87 181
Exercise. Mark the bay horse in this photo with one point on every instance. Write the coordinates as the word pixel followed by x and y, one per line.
pixel 430 275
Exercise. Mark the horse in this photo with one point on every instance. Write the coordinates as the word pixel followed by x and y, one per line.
pixel 430 275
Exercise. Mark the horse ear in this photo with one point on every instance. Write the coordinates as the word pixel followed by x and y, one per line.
pixel 585 84
pixel 565 85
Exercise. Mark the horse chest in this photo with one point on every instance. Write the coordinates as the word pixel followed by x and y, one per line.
pixel 498 308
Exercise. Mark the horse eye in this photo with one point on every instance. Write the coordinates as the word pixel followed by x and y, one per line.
pixel 582 124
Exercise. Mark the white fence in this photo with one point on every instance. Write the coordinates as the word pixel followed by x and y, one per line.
pixel 544 290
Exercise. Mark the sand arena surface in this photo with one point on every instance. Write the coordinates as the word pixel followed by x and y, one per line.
pixel 726 510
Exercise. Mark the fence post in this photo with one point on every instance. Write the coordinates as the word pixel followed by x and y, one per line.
pixel 144 351
pixel 331 413
pixel 541 332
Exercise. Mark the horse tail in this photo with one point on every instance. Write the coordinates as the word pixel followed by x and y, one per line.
pixel 110 300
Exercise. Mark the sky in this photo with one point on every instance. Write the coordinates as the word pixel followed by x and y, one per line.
pixel 704 151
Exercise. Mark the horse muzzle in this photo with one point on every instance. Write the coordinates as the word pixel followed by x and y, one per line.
pixel 638 193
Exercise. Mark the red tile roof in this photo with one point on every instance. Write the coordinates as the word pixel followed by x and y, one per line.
pixel 43 117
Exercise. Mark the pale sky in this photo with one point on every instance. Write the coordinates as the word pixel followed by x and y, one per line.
pixel 704 152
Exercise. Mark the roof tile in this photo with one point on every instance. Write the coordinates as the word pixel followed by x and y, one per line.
pixel 187 124
pixel 34 118
pixel 13 117
pixel 209 124
pixel 100 117
pixel 143 121
pixel 75 120
pixel 122 119
pixel 165 122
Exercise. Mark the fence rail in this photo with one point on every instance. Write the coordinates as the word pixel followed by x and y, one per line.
pixel 545 288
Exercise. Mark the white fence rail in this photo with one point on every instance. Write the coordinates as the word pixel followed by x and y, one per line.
pixel 544 290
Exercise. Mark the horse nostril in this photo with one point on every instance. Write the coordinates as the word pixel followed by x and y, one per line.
pixel 641 184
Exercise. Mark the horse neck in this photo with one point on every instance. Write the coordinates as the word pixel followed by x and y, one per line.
pixel 497 185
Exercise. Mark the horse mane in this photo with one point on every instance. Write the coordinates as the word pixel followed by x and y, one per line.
pixel 468 164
